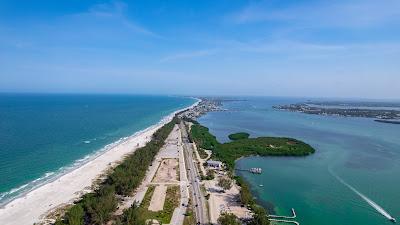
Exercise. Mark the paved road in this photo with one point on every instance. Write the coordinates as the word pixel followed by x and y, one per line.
pixel 194 179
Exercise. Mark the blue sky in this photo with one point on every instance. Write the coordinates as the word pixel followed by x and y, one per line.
pixel 275 47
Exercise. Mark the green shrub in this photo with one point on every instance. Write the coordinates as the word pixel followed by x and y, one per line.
pixel 228 219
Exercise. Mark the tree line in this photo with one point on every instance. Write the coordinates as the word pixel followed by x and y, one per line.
pixel 96 208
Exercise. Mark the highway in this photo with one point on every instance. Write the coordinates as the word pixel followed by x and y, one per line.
pixel 199 204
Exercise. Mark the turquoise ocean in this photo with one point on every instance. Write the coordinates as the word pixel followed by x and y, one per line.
pixel 356 152
pixel 43 136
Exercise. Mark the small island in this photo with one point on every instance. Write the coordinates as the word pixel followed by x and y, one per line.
pixel 241 146
pixel 238 136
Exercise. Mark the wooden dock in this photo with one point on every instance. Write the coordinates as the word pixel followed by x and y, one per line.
pixel 251 170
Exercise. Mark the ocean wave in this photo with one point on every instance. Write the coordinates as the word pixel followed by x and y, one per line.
pixel 24 188
pixel 6 197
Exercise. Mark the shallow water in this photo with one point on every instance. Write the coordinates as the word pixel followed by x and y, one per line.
pixel 44 135
pixel 363 153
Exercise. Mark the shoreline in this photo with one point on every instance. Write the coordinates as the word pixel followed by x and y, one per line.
pixel 66 187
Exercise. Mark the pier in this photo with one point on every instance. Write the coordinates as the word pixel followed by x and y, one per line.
pixel 251 170
pixel 284 219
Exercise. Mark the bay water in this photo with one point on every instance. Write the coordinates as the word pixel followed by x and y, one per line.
pixel 360 152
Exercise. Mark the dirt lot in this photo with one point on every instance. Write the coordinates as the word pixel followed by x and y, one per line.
pixel 227 201
pixel 158 198
pixel 167 172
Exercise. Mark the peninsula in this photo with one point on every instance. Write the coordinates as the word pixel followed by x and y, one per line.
pixel 173 173
pixel 168 180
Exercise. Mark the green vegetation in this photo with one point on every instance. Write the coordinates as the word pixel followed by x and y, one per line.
pixel 210 175
pixel 131 216
pixel 74 216
pixel 238 136
pixel 224 183
pixel 263 146
pixel 241 146
pixel 202 153
pixel 260 216
pixel 245 195
pixel 201 134
pixel 147 197
pixel 171 202
pixel 97 207
pixel 203 138
pixel 228 219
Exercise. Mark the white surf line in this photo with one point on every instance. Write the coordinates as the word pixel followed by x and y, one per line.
pixel 377 207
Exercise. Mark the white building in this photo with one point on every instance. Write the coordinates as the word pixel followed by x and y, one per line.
pixel 214 164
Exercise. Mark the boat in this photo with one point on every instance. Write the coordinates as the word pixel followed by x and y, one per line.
pixel 256 170
pixel 261 185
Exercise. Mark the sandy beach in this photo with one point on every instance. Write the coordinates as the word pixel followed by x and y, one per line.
pixel 35 205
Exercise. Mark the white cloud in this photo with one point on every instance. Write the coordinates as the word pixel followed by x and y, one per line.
pixel 189 55
pixel 360 13
pixel 115 12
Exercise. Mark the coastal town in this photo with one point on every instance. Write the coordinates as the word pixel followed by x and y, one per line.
pixel 381 115
pixel 204 106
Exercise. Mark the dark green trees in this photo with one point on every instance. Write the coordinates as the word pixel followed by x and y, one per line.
pixel 228 219
pixel 97 207
pixel 224 183
pixel 238 136
pixel 259 217
pixel 132 216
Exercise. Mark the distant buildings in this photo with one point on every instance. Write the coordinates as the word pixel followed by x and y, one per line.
pixel 362 110
pixel 214 164
pixel 204 106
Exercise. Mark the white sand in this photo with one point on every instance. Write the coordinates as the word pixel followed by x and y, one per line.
pixel 36 204
pixel 158 198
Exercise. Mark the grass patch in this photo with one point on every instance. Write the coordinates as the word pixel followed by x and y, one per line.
pixel 147 197
pixel 171 202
